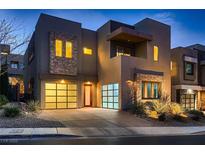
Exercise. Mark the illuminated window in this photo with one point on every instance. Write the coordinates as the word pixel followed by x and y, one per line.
pixel 87 51
pixel 156 53
pixel 171 66
pixel 68 49
pixel 59 48
pixel 150 90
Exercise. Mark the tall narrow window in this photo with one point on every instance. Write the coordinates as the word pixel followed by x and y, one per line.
pixel 156 53
pixel 87 51
pixel 171 66
pixel 59 47
pixel 68 49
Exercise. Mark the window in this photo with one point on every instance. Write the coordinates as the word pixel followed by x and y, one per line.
pixel 110 96
pixel 189 68
pixel 87 51
pixel 59 48
pixel 150 90
pixel 68 49
pixel 122 51
pixel 188 101
pixel 171 66
pixel 14 64
pixel 156 53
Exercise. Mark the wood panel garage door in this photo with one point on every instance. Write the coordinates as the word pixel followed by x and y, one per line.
pixel 60 95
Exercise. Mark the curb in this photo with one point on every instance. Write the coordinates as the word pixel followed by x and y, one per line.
pixel 99 132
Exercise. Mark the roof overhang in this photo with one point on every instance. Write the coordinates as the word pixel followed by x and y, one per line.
pixel 149 72
pixel 128 35
pixel 193 87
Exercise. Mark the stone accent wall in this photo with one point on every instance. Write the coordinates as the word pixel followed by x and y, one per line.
pixel 146 77
pixel 63 65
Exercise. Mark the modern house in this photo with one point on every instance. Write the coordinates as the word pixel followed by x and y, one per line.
pixel 14 68
pixel 67 66
pixel 188 76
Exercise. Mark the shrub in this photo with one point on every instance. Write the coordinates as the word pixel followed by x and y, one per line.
pixel 153 114
pixel 3 100
pixel 11 111
pixel 180 117
pixel 175 109
pixel 162 117
pixel 33 106
pixel 196 115
pixel 140 109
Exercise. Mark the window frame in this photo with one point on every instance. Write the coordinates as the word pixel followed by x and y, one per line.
pixel 87 53
pixel 155 51
pixel 152 90
pixel 61 52
pixel 69 54
pixel 192 66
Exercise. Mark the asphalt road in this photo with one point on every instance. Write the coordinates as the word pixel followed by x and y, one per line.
pixel 143 140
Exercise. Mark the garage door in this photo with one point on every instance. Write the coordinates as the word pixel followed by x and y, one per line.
pixel 60 96
pixel 110 96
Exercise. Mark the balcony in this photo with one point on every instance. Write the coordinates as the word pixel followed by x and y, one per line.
pixel 128 42
pixel 128 35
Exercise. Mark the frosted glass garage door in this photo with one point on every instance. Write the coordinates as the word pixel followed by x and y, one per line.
pixel 60 96
pixel 110 96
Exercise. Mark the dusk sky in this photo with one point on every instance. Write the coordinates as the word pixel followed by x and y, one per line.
pixel 187 26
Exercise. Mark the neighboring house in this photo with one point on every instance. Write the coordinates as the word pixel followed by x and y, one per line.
pixel 67 66
pixel 188 76
pixel 14 69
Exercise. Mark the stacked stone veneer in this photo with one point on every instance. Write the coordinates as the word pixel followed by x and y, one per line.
pixel 139 78
pixel 63 65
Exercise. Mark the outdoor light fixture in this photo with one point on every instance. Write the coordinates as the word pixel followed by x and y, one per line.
pixel 62 81
pixel 190 91
pixel 88 82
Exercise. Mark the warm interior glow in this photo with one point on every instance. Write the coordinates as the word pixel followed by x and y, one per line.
pixel 60 95
pixel 87 51
pixel 68 49
pixel 171 67
pixel 59 48
pixel 156 53
pixel 122 54
pixel 62 81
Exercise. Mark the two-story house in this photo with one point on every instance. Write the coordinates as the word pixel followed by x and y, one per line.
pixel 14 68
pixel 188 78
pixel 67 66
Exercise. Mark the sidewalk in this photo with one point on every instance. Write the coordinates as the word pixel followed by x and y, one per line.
pixel 102 132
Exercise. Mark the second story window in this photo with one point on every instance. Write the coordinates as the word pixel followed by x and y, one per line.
pixel 59 47
pixel 14 64
pixel 68 49
pixel 87 51
pixel 156 53
pixel 189 68
pixel 122 51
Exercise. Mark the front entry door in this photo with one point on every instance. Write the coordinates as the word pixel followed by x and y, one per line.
pixel 88 96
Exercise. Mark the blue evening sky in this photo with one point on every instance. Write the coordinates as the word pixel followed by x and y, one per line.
pixel 187 26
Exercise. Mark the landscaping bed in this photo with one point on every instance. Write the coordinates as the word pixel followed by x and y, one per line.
pixel 21 115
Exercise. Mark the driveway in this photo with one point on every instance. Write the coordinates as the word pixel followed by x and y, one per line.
pixel 94 117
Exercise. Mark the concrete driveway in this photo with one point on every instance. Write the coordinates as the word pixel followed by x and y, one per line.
pixel 94 117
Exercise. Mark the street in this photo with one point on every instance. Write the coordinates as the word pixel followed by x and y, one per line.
pixel 142 140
